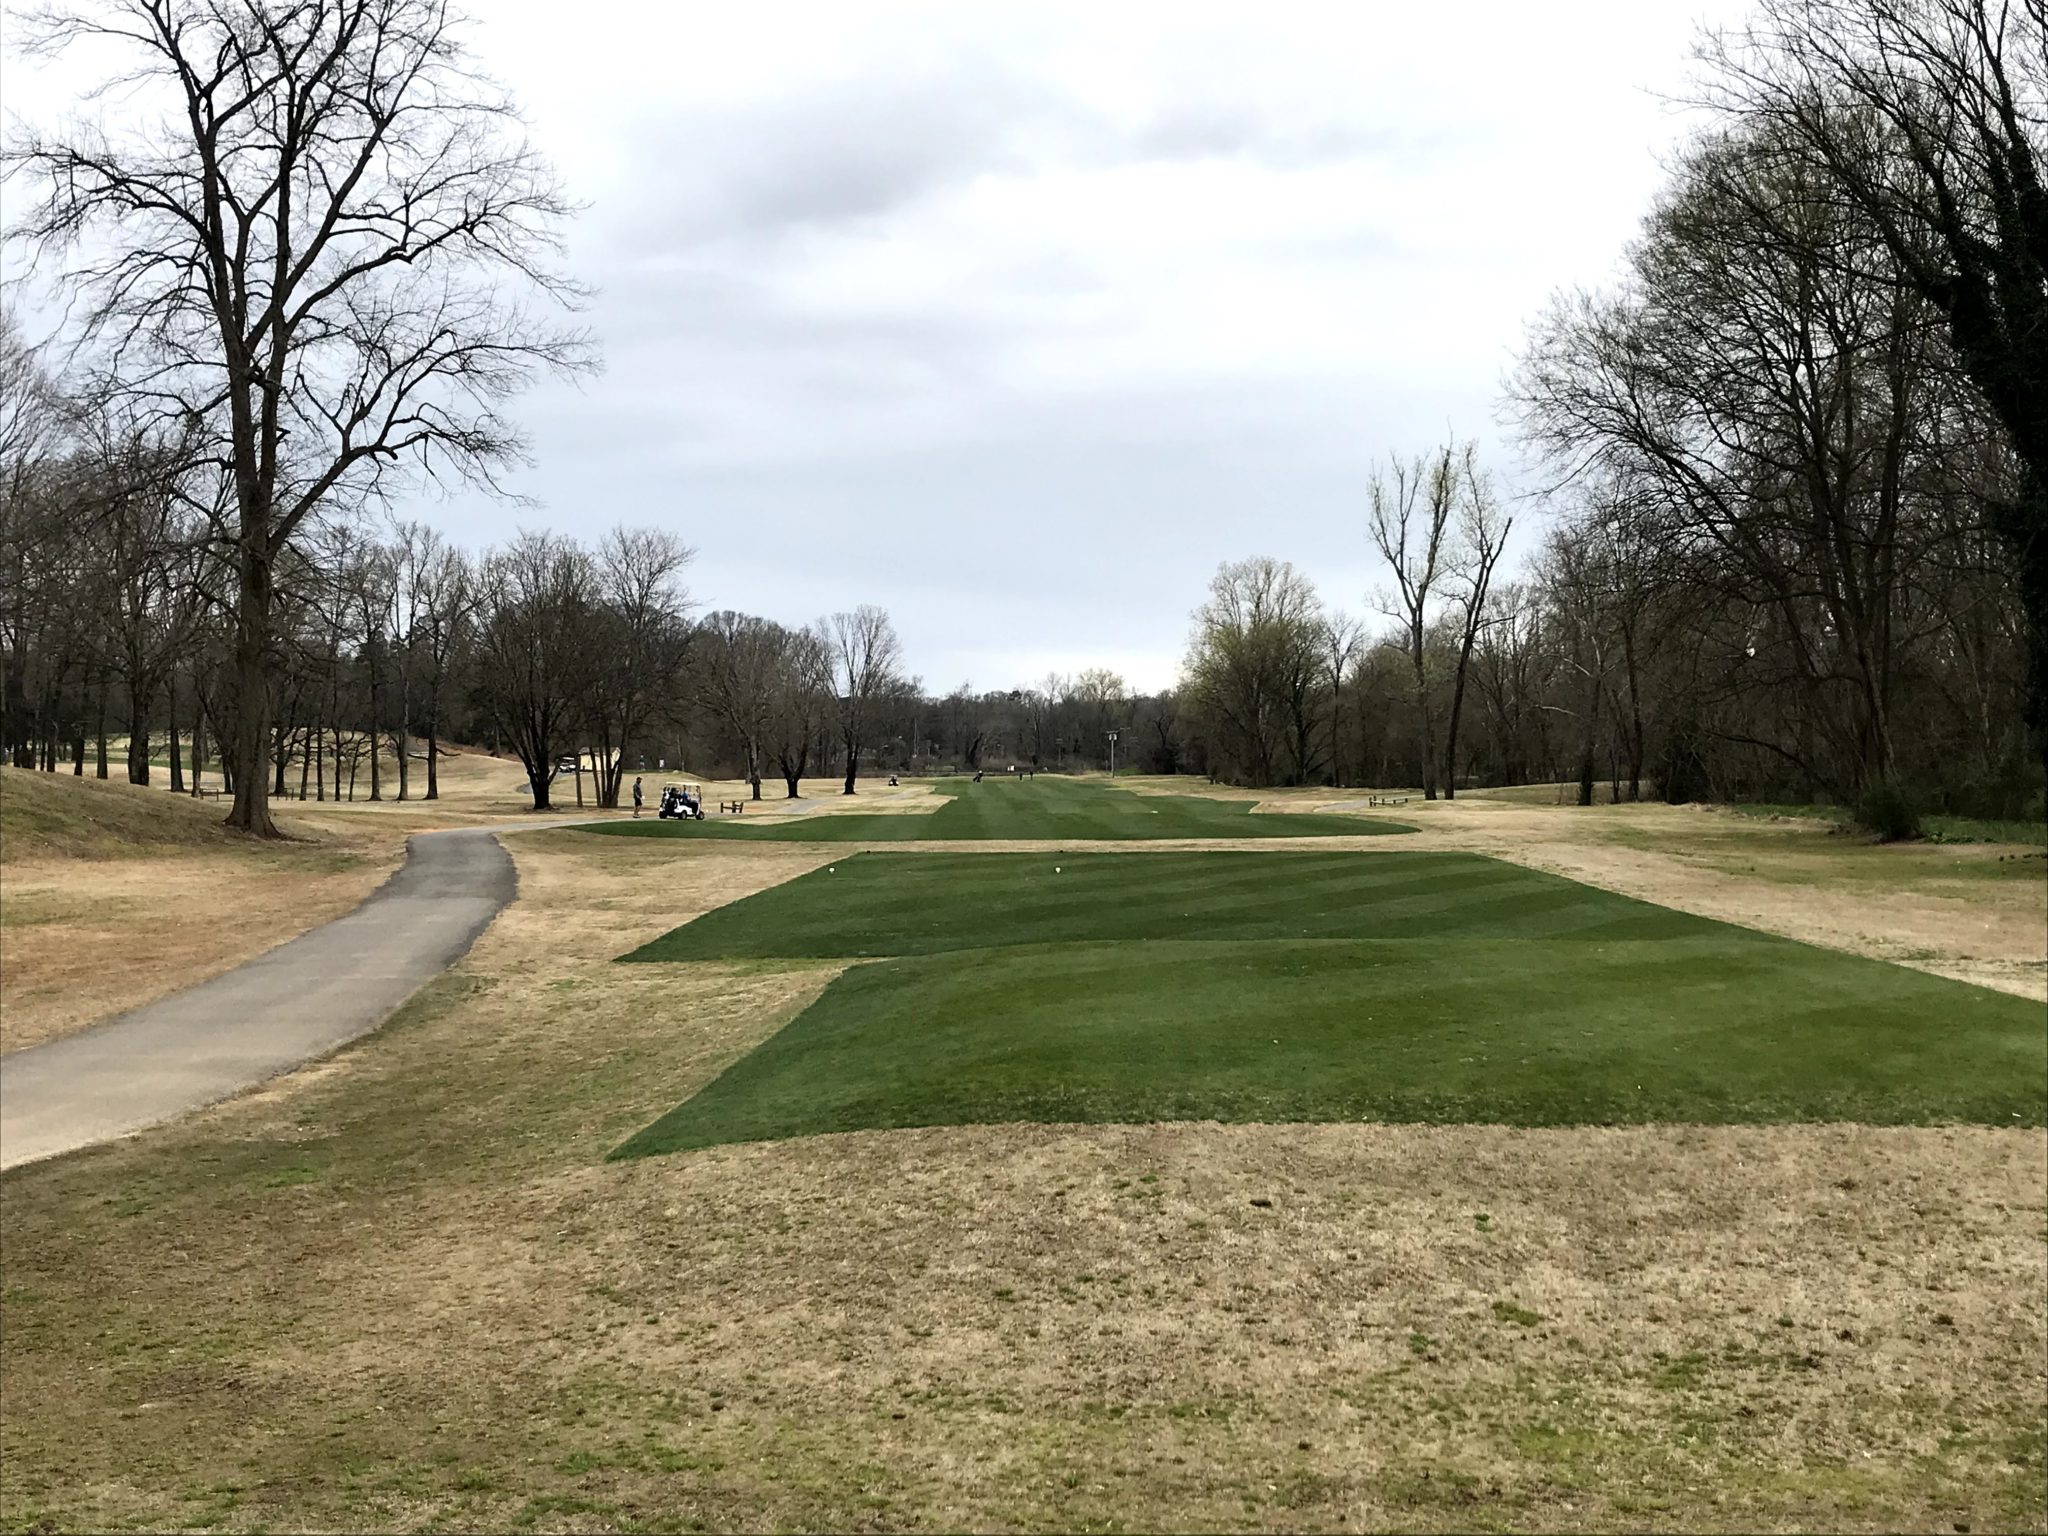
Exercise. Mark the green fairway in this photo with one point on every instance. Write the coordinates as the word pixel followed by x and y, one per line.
pixel 915 904
pixel 1314 986
pixel 1038 808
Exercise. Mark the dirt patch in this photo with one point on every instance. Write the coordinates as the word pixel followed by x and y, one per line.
pixel 86 939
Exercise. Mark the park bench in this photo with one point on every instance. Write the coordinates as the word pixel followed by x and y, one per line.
pixel 1373 800
pixel 731 807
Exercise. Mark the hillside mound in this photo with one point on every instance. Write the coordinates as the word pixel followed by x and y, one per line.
pixel 54 815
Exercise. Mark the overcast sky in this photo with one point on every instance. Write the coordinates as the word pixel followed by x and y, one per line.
pixel 1018 320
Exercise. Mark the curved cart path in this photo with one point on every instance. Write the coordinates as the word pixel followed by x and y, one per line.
pixel 298 1001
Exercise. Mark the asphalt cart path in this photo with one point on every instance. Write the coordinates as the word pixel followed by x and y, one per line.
pixel 297 1002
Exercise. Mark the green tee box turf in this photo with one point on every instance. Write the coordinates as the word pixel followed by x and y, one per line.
pixel 1313 986
pixel 1715 1030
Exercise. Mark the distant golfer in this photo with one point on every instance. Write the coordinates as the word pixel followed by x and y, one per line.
pixel 636 799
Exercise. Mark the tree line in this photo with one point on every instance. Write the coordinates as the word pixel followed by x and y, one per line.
pixel 1793 484
pixel 1800 448
pixel 117 604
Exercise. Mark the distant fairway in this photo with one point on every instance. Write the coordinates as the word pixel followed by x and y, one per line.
pixel 1310 986
pixel 1039 808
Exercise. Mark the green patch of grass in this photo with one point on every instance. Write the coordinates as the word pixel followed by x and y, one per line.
pixel 1746 847
pixel 1036 809
pixel 1521 1317
pixel 1545 1441
pixel 1939 829
pixel 874 905
pixel 1972 829
pixel 555 1507
pixel 1316 986
pixel 1723 1028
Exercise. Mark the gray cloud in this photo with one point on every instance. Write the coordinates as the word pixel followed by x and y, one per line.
pixel 1020 336
pixel 847 154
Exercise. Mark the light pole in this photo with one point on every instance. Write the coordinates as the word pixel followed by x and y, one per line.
pixel 1112 754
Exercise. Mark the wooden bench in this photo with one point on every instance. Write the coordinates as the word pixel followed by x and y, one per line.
pixel 1372 800
pixel 732 807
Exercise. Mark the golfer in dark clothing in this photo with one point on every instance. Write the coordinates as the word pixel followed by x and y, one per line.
pixel 636 799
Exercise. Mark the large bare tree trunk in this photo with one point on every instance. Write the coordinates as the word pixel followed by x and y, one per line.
pixel 1451 725
pixel 251 742
pixel 99 729
pixel 401 742
pixel 1425 717
pixel 376 719
pixel 1589 742
pixel 171 730
pixel 138 739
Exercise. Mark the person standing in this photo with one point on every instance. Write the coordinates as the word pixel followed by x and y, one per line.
pixel 636 799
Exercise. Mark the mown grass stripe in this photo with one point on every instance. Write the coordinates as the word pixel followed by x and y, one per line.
pixel 1713 1028
pixel 882 904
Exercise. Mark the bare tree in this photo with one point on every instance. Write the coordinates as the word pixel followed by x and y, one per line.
pixel 38 564
pixel 1576 576
pixel 739 662
pixel 866 659
pixel 1483 534
pixel 373 595
pixel 1757 402
pixel 1053 692
pixel 1930 117
pixel 636 655
pixel 417 554
pixel 1343 638
pixel 448 593
pixel 1411 525
pixel 1255 671
pixel 1104 699
pixel 310 263
pixel 533 639
pixel 801 704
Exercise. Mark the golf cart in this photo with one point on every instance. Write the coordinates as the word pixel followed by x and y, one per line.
pixel 684 802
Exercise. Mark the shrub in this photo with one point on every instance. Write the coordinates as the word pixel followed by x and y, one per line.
pixel 1886 810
